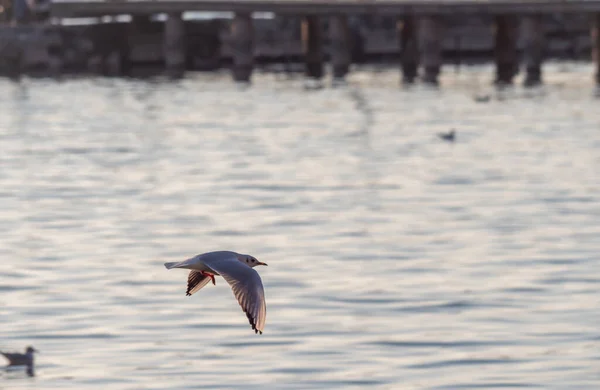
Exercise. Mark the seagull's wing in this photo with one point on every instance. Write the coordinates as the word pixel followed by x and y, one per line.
pixel 15 359
pixel 247 288
pixel 9 355
pixel 195 282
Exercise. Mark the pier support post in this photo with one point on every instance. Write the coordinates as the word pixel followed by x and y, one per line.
pixel 340 46
pixel 407 28
pixel 506 48
pixel 56 50
pixel 596 45
pixel 145 43
pixel 174 44
pixel 430 43
pixel 242 44
pixel 312 40
pixel 204 47
pixel 533 36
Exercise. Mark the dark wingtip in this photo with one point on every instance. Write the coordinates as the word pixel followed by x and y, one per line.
pixel 252 323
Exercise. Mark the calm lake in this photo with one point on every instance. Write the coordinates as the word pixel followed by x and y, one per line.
pixel 396 260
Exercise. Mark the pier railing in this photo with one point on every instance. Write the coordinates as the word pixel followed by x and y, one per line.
pixel 324 7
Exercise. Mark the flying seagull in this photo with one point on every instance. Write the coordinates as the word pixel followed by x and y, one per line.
pixel 237 270
pixel 20 359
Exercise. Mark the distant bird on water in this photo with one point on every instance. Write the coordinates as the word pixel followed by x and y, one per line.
pixel 20 359
pixel 449 136
pixel 482 98
pixel 237 270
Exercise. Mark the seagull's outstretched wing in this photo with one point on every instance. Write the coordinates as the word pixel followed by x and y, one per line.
pixel 195 282
pixel 247 288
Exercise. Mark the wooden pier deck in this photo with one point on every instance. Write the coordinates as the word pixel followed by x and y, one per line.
pixel 72 8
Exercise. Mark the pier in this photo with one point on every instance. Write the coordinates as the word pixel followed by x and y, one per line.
pixel 325 35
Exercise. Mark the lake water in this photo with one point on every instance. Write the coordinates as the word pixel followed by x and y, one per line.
pixel 396 260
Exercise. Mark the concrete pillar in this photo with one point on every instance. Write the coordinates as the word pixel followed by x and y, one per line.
pixel 430 44
pixel 56 53
pixel 11 59
pixel 506 48
pixel 357 43
pixel 532 29
pixel 312 40
pixel 174 44
pixel 340 45
pixel 204 46
pixel 113 63
pixel 242 44
pixel 119 62
pixel 144 42
pixel 596 45
pixel 407 28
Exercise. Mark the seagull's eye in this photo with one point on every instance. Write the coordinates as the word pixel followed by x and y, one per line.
pixel 253 260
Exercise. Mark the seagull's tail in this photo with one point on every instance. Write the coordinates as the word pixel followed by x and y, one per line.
pixel 172 264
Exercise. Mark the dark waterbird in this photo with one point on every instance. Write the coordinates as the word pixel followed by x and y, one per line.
pixel 449 136
pixel 20 359
pixel 482 98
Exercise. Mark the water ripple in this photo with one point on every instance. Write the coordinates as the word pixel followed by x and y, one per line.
pixel 396 260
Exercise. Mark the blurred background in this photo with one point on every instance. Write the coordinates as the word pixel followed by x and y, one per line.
pixel 397 259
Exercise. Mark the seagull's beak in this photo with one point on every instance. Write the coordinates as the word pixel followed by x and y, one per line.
pixel 261 263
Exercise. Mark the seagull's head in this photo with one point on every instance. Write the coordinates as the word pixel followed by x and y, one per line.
pixel 250 261
pixel 30 350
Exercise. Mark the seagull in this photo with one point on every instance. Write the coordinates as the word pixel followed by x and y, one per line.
pixel 20 359
pixel 237 270
pixel 447 136
pixel 482 98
